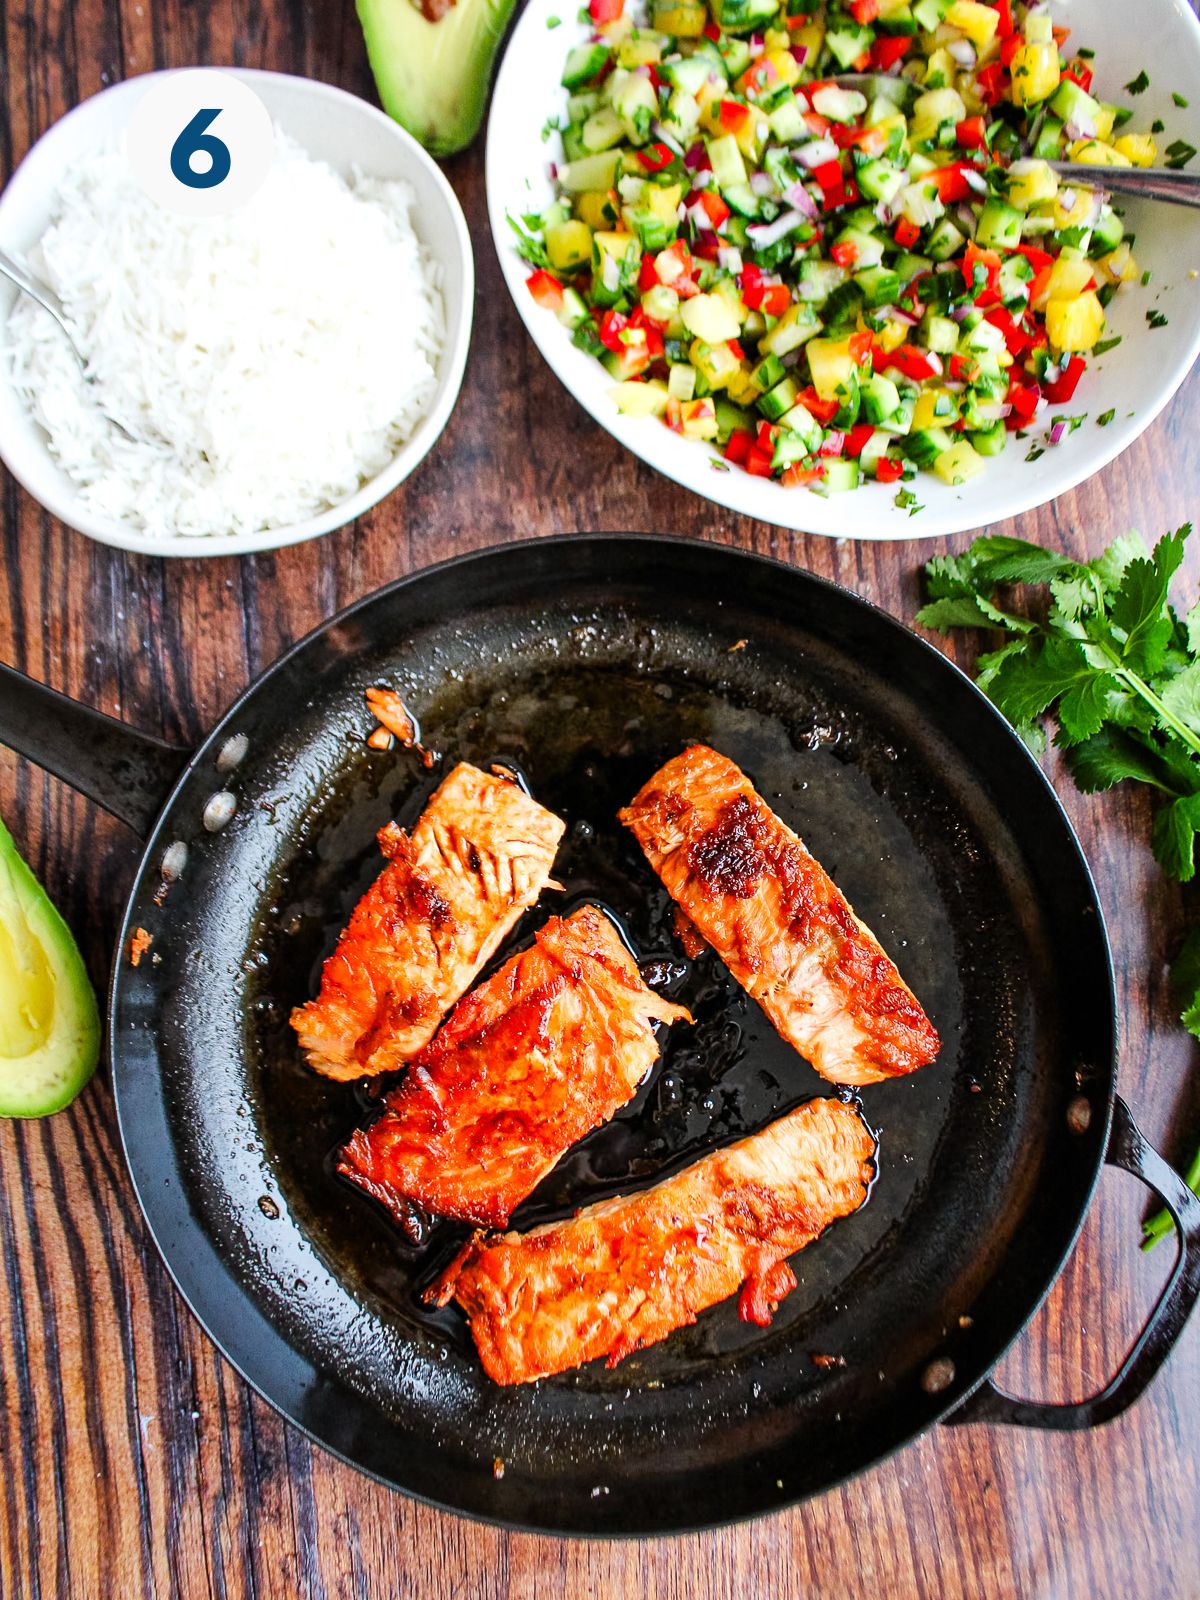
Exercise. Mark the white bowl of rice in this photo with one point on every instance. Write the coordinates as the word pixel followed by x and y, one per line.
pixel 280 368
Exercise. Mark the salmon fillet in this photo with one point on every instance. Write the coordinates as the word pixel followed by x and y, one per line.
pixel 627 1272
pixel 778 921
pixel 548 1048
pixel 480 855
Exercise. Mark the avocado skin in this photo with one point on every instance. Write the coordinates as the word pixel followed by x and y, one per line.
pixel 48 1079
pixel 433 77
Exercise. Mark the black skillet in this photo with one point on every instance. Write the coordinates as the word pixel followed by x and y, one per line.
pixel 585 662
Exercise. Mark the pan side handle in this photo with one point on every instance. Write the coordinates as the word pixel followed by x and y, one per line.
pixel 126 772
pixel 1128 1149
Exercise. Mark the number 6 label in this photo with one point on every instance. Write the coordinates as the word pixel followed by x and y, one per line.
pixel 200 142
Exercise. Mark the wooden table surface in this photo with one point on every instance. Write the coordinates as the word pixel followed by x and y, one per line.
pixel 133 1461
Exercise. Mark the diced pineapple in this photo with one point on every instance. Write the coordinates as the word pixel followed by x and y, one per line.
pixel 1074 325
pixel 569 245
pixel 935 408
pixel 1035 73
pixel 811 37
pixel 892 335
pixel 1068 277
pixel 1079 211
pixel 1137 148
pixel 686 19
pixel 645 399
pixel 798 324
pixel 681 381
pixel 613 247
pixel 640 50
pixel 919 204
pixel 978 22
pixel 958 464
pixel 1098 153
pixel 1106 121
pixel 933 108
pixel 698 419
pixel 716 364
pixel 940 70
pixel 596 210
pixel 709 317
pixel 662 201
pixel 742 388
pixel 831 365
pixel 776 39
pixel 1119 265
pixel 1031 181
pixel 786 66
pixel 727 164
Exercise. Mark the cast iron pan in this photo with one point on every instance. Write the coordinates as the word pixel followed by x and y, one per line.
pixel 586 662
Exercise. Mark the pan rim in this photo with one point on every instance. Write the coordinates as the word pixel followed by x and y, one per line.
pixel 772 1503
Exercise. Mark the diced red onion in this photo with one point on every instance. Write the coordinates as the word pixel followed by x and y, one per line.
pixel 901 315
pixel 965 218
pixel 975 180
pixel 757 46
pixel 936 362
pixel 701 180
pixel 1057 431
pixel 1067 199
pixel 963 52
pixel 961 313
pixel 952 386
pixel 640 72
pixel 697 216
pixel 552 171
pixel 761 184
pixel 1081 126
pixel 694 156
pixel 763 235
pixel 993 410
pixel 1042 406
pixel 885 213
pixel 668 138
pixel 797 195
pixel 792 359
pixel 834 443
pixel 729 258
pixel 816 153
pixel 799 54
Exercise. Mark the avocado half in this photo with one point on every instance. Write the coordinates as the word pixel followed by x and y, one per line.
pixel 433 66
pixel 49 1024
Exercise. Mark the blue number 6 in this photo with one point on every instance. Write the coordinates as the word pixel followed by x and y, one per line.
pixel 194 138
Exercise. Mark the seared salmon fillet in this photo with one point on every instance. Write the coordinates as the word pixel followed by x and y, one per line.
pixel 548 1048
pixel 778 921
pixel 479 856
pixel 627 1272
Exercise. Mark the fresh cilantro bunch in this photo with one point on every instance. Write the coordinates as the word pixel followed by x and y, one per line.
pixel 1118 670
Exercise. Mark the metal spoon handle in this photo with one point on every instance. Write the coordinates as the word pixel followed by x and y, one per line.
pixel 1150 183
pixel 36 290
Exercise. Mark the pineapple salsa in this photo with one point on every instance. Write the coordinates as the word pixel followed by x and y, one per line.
pixel 825 236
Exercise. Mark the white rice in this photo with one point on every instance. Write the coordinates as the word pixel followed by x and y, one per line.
pixel 270 361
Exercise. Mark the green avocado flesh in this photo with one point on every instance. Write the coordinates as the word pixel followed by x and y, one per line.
pixel 433 77
pixel 49 1026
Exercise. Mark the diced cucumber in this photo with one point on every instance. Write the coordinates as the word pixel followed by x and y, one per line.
pixel 843 305
pixel 789 448
pixel 1108 232
pixel 999 226
pixel 798 324
pixel 597 172
pixel 583 63
pixel 776 401
pixel 740 197
pixel 945 240
pixel 850 396
pixel 681 381
pixel 910 266
pixel 725 157
pixel 689 73
pixel 1015 273
pixel 800 421
pixel 847 43
pixel 929 13
pixel 990 441
pixel 602 130
pixel 817 279
pixel 743 16
pixel 873 451
pixel 769 372
pixel 1048 143
pixel 572 142
pixel 880 285
pixel 574 309
pixel 880 179
pixel 1074 104
pixel 939 333
pixel 735 53
pixel 926 445
pixel 880 398
pixel 868 247
pixel 635 100
pixel 786 121
pixel 581 106
pixel 839 105
pixel 731 418
pixel 840 476
pixel 901 419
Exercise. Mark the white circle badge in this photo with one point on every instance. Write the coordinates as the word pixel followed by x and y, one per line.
pixel 200 142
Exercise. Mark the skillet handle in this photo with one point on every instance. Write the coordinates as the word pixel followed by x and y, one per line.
pixel 128 773
pixel 1127 1148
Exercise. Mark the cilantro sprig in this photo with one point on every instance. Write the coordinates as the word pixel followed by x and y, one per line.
pixel 1117 670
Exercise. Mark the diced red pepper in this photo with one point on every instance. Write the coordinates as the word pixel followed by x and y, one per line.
pixel 864 12
pixel 887 470
pixel 610 328
pixel 990 82
pixel 1037 259
pixel 913 363
pixel 871 141
pixel 816 124
pixel 1009 48
pixel 951 181
pixel 602 11
pixel 886 52
pixel 654 157
pixel 546 290
pixel 736 347
pixel 1023 399
pixel 856 439
pixel 714 207
pixel 1079 73
pixel 1003 9
pixel 1015 337
pixel 712 31
pixel 1060 35
pixel 972 133
pixel 1063 389
pixel 776 298
pixel 765 436
pixel 829 174
pixel 963 369
pixel 673 415
pixel 845 253
pixel 862 346
pixel 973 258
pixel 797 476
pixel 708 247
pixel 823 410
pixel 738 446
pixel 906 233
pixel 1038 284
pixel 647 275
pixel 734 116
pixel 758 461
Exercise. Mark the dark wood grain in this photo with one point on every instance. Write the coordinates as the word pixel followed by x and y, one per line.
pixel 133 1462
